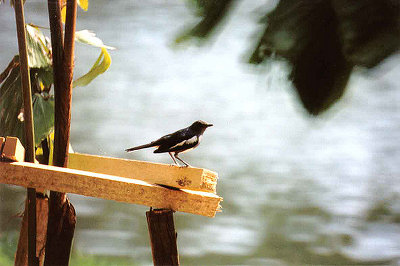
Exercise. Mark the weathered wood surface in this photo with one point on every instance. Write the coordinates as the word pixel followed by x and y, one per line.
pixel 162 237
pixel 12 149
pixel 21 257
pixel 108 187
pixel 154 173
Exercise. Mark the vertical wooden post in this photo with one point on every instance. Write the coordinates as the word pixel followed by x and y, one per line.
pixel 62 218
pixel 28 126
pixel 163 237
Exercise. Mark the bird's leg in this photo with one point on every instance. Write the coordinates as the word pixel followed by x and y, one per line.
pixel 173 158
pixel 176 156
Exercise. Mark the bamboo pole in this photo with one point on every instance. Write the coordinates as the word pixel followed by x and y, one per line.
pixel 162 237
pixel 29 127
pixel 62 218
pixel 26 82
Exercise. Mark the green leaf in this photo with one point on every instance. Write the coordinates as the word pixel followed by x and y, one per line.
pixel 39 51
pixel 370 30
pixel 11 106
pixel 100 66
pixel 89 37
pixel 212 12
pixel 14 63
pixel 43 116
pixel 41 79
pixel 305 34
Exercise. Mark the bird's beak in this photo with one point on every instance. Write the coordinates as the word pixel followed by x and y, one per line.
pixel 209 125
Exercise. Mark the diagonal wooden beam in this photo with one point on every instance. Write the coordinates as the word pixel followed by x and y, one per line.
pixel 108 187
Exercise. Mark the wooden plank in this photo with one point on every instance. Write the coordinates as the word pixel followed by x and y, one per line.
pixel 13 150
pixel 108 187
pixel 154 173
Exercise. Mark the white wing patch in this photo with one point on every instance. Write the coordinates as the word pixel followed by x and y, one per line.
pixel 191 140
pixel 186 142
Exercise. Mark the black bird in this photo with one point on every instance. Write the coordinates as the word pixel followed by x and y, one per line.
pixel 180 141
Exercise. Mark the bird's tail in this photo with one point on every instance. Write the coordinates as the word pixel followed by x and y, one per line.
pixel 140 147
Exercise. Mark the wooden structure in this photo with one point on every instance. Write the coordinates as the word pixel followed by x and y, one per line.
pixel 119 179
pixel 161 186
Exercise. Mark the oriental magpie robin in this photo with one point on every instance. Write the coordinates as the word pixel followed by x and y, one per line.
pixel 180 141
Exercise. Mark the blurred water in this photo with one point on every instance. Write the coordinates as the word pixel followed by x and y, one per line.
pixel 297 190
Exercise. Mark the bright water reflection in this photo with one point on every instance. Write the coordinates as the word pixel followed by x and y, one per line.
pixel 296 190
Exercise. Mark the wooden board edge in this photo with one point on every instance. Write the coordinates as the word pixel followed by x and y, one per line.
pixel 13 150
pixel 206 180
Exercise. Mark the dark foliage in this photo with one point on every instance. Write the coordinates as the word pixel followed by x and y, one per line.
pixel 322 40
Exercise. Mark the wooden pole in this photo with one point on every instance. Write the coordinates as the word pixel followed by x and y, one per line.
pixel 26 82
pixel 63 72
pixel 28 125
pixel 162 237
pixel 62 218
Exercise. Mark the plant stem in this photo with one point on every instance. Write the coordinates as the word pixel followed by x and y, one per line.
pixel 62 217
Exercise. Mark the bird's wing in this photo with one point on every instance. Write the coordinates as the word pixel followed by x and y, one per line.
pixel 185 145
pixel 172 142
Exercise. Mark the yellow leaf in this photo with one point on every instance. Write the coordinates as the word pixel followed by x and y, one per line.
pixel 84 4
pixel 100 66
pixel 63 13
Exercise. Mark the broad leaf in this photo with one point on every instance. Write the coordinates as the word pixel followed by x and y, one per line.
pixel 102 63
pixel 370 30
pixel 11 104
pixel 212 13
pixel 11 109
pixel 13 64
pixel 89 37
pixel 43 116
pixel 11 123
pixel 41 79
pixel 39 51
pixel 305 33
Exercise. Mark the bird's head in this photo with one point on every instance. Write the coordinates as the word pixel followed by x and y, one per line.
pixel 200 125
